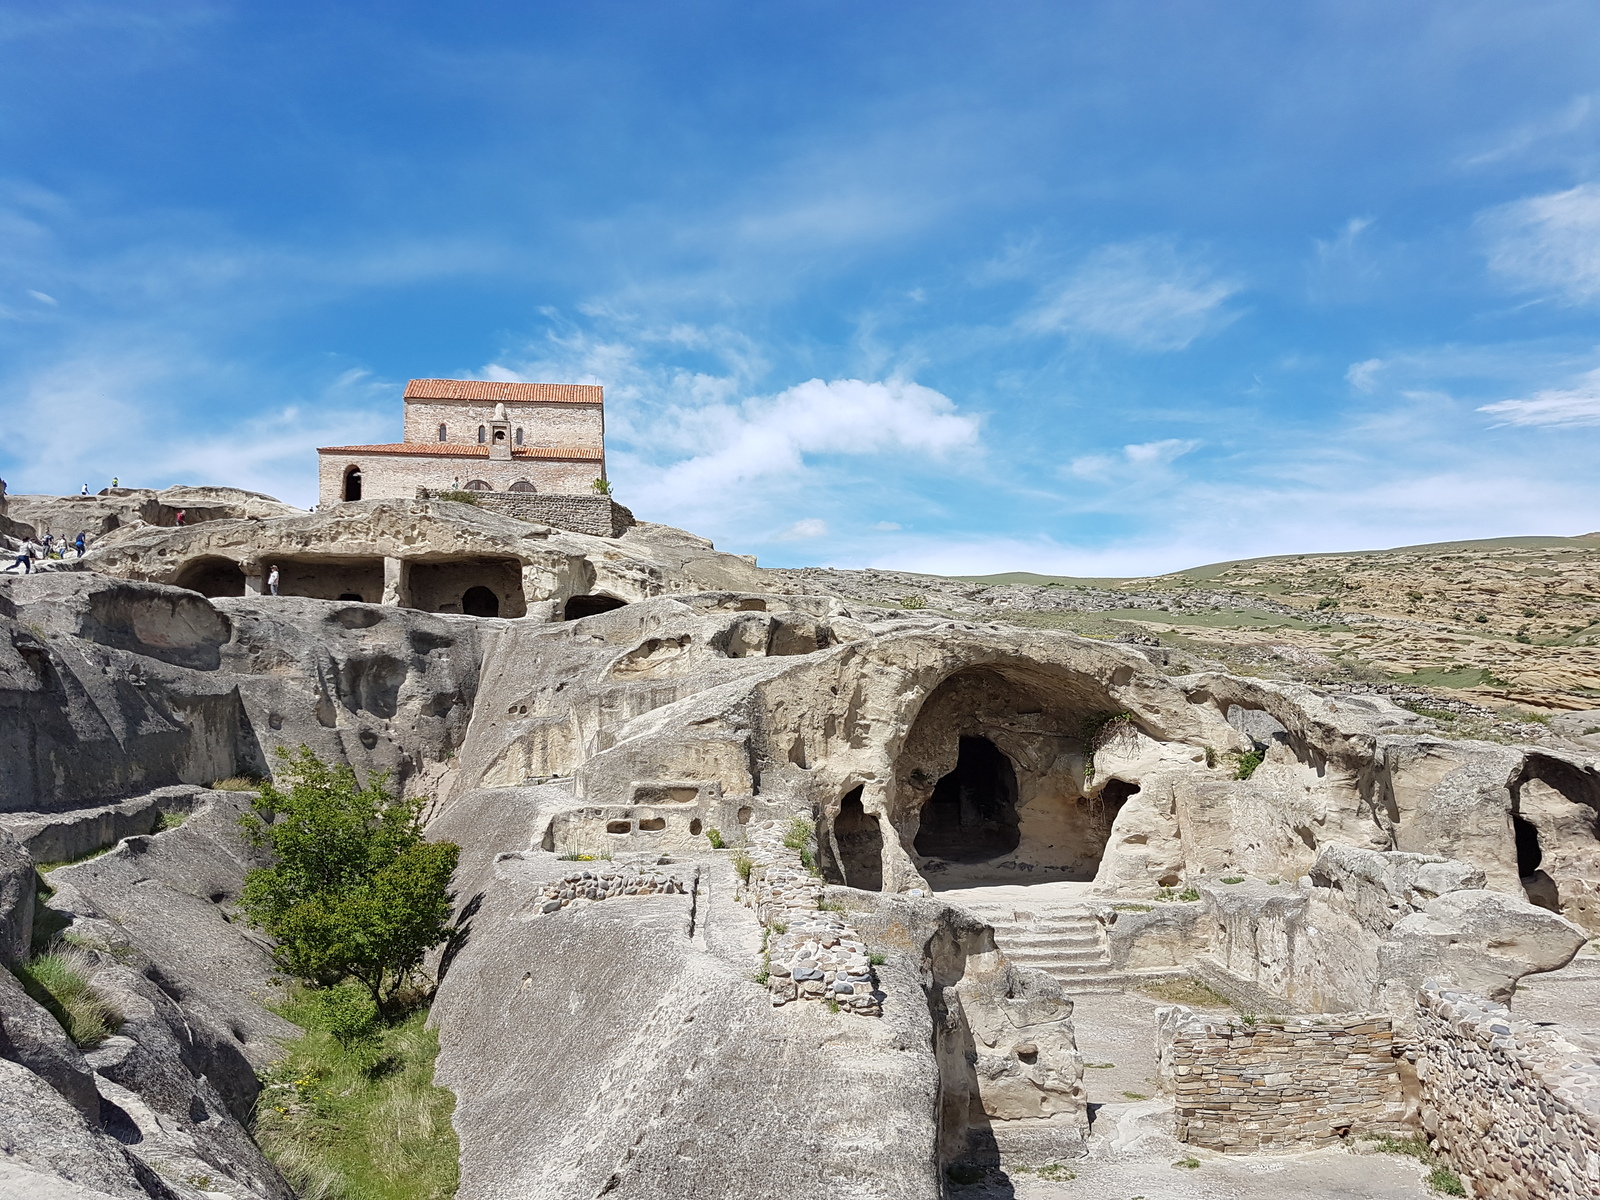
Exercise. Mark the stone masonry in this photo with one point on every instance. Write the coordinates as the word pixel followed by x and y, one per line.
pixel 1515 1107
pixel 593 514
pixel 1288 1083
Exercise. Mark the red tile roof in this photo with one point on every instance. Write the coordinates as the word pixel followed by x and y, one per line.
pixel 490 389
pixel 468 450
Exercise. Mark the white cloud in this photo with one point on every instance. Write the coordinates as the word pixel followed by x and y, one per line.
pixel 804 530
pixel 1549 243
pixel 1559 407
pixel 743 443
pixel 44 298
pixel 1144 294
pixel 1363 375
pixel 887 526
pixel 1140 457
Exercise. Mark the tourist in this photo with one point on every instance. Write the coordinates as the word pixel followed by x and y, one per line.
pixel 272 581
pixel 24 559
pixel 113 481
pixel 85 491
pixel 178 520
pixel 49 541
pixel 81 543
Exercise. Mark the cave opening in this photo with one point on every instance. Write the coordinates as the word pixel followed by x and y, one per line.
pixel 479 601
pixel 859 839
pixel 972 815
pixel 579 607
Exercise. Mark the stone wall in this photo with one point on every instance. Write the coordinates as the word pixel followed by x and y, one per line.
pixel 594 514
pixel 559 423
pixel 399 476
pixel 1515 1107
pixel 1278 1084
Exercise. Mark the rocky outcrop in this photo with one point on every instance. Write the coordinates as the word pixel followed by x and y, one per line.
pixel 117 508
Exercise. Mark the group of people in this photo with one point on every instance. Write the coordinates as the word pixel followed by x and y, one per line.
pixel 32 551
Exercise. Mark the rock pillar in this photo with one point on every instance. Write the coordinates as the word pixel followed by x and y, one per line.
pixel 397 582
pixel 255 579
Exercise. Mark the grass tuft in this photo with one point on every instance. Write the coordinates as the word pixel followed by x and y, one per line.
pixel 60 981
pixel 1440 1177
pixel 235 783
pixel 743 864
pixel 714 836
pixel 351 1112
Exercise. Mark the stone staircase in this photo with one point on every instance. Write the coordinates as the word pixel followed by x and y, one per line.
pixel 1066 941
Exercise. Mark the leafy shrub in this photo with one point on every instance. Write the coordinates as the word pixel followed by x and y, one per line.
pixel 743 864
pixel 603 486
pixel 1246 762
pixel 1325 603
pixel 799 837
pixel 354 891
pixel 59 981
pixel 458 496
pixel 913 601
pixel 1234 879
pixel 1102 731
pixel 714 836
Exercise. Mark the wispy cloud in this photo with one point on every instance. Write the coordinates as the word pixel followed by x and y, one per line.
pixel 1516 142
pixel 1567 407
pixel 1549 243
pixel 1363 376
pixel 1145 294
pixel 804 530
pixel 1141 458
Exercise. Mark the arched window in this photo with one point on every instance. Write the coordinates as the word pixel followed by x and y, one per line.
pixel 482 432
pixel 519 437
pixel 352 483
pixel 478 485
pixel 441 433
pixel 522 485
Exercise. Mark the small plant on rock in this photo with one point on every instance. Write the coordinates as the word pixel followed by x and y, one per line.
pixel 602 486
pixel 458 496
pixel 913 601
pixel 1246 762
pixel 799 838
pixel 60 981
pixel 714 836
pixel 743 864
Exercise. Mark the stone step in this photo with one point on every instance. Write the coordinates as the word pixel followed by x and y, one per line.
pixel 1049 939
pixel 1065 953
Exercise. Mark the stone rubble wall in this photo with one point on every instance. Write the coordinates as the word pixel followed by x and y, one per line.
pixel 1514 1107
pixel 812 953
pixel 604 885
pixel 596 515
pixel 1293 1083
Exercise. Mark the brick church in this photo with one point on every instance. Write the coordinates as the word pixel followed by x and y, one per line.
pixel 479 436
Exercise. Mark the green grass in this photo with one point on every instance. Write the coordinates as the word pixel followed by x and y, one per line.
pixel 743 864
pixel 170 820
pixel 461 497
pixel 714 836
pixel 59 980
pixel 1190 992
pixel 1246 762
pixel 362 1120
pixel 1440 1177
pixel 798 838
pixel 1052 1172
pixel 1190 1163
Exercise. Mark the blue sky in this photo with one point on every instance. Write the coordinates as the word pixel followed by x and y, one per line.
pixel 1088 288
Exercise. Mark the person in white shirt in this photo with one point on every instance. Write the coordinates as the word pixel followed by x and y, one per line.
pixel 272 581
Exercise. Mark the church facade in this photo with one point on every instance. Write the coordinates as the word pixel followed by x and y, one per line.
pixel 481 436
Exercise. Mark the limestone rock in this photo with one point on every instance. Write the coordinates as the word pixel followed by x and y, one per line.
pixel 1478 940
pixel 32 1038
pixel 17 885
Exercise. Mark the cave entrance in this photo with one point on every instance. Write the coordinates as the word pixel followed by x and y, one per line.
pixel 972 815
pixel 480 602
pixel 212 577
pixel 579 607
pixel 859 839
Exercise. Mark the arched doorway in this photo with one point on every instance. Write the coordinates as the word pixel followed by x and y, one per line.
pixel 352 483
pixel 859 839
pixel 972 815
pixel 480 602
pixel 587 606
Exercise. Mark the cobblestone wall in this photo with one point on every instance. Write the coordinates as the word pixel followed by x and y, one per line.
pixel 1298 1082
pixel 1515 1107
pixel 594 514
pixel 811 953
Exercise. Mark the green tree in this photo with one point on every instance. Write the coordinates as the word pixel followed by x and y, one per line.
pixel 354 891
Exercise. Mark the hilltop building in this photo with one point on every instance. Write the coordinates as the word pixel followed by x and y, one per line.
pixel 480 436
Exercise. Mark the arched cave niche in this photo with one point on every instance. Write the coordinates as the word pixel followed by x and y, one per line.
pixel 212 577
pixel 587 606
pixel 1539 887
pixel 480 602
pixel 859 842
pixel 972 815
pixel 352 483
pixel 994 785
